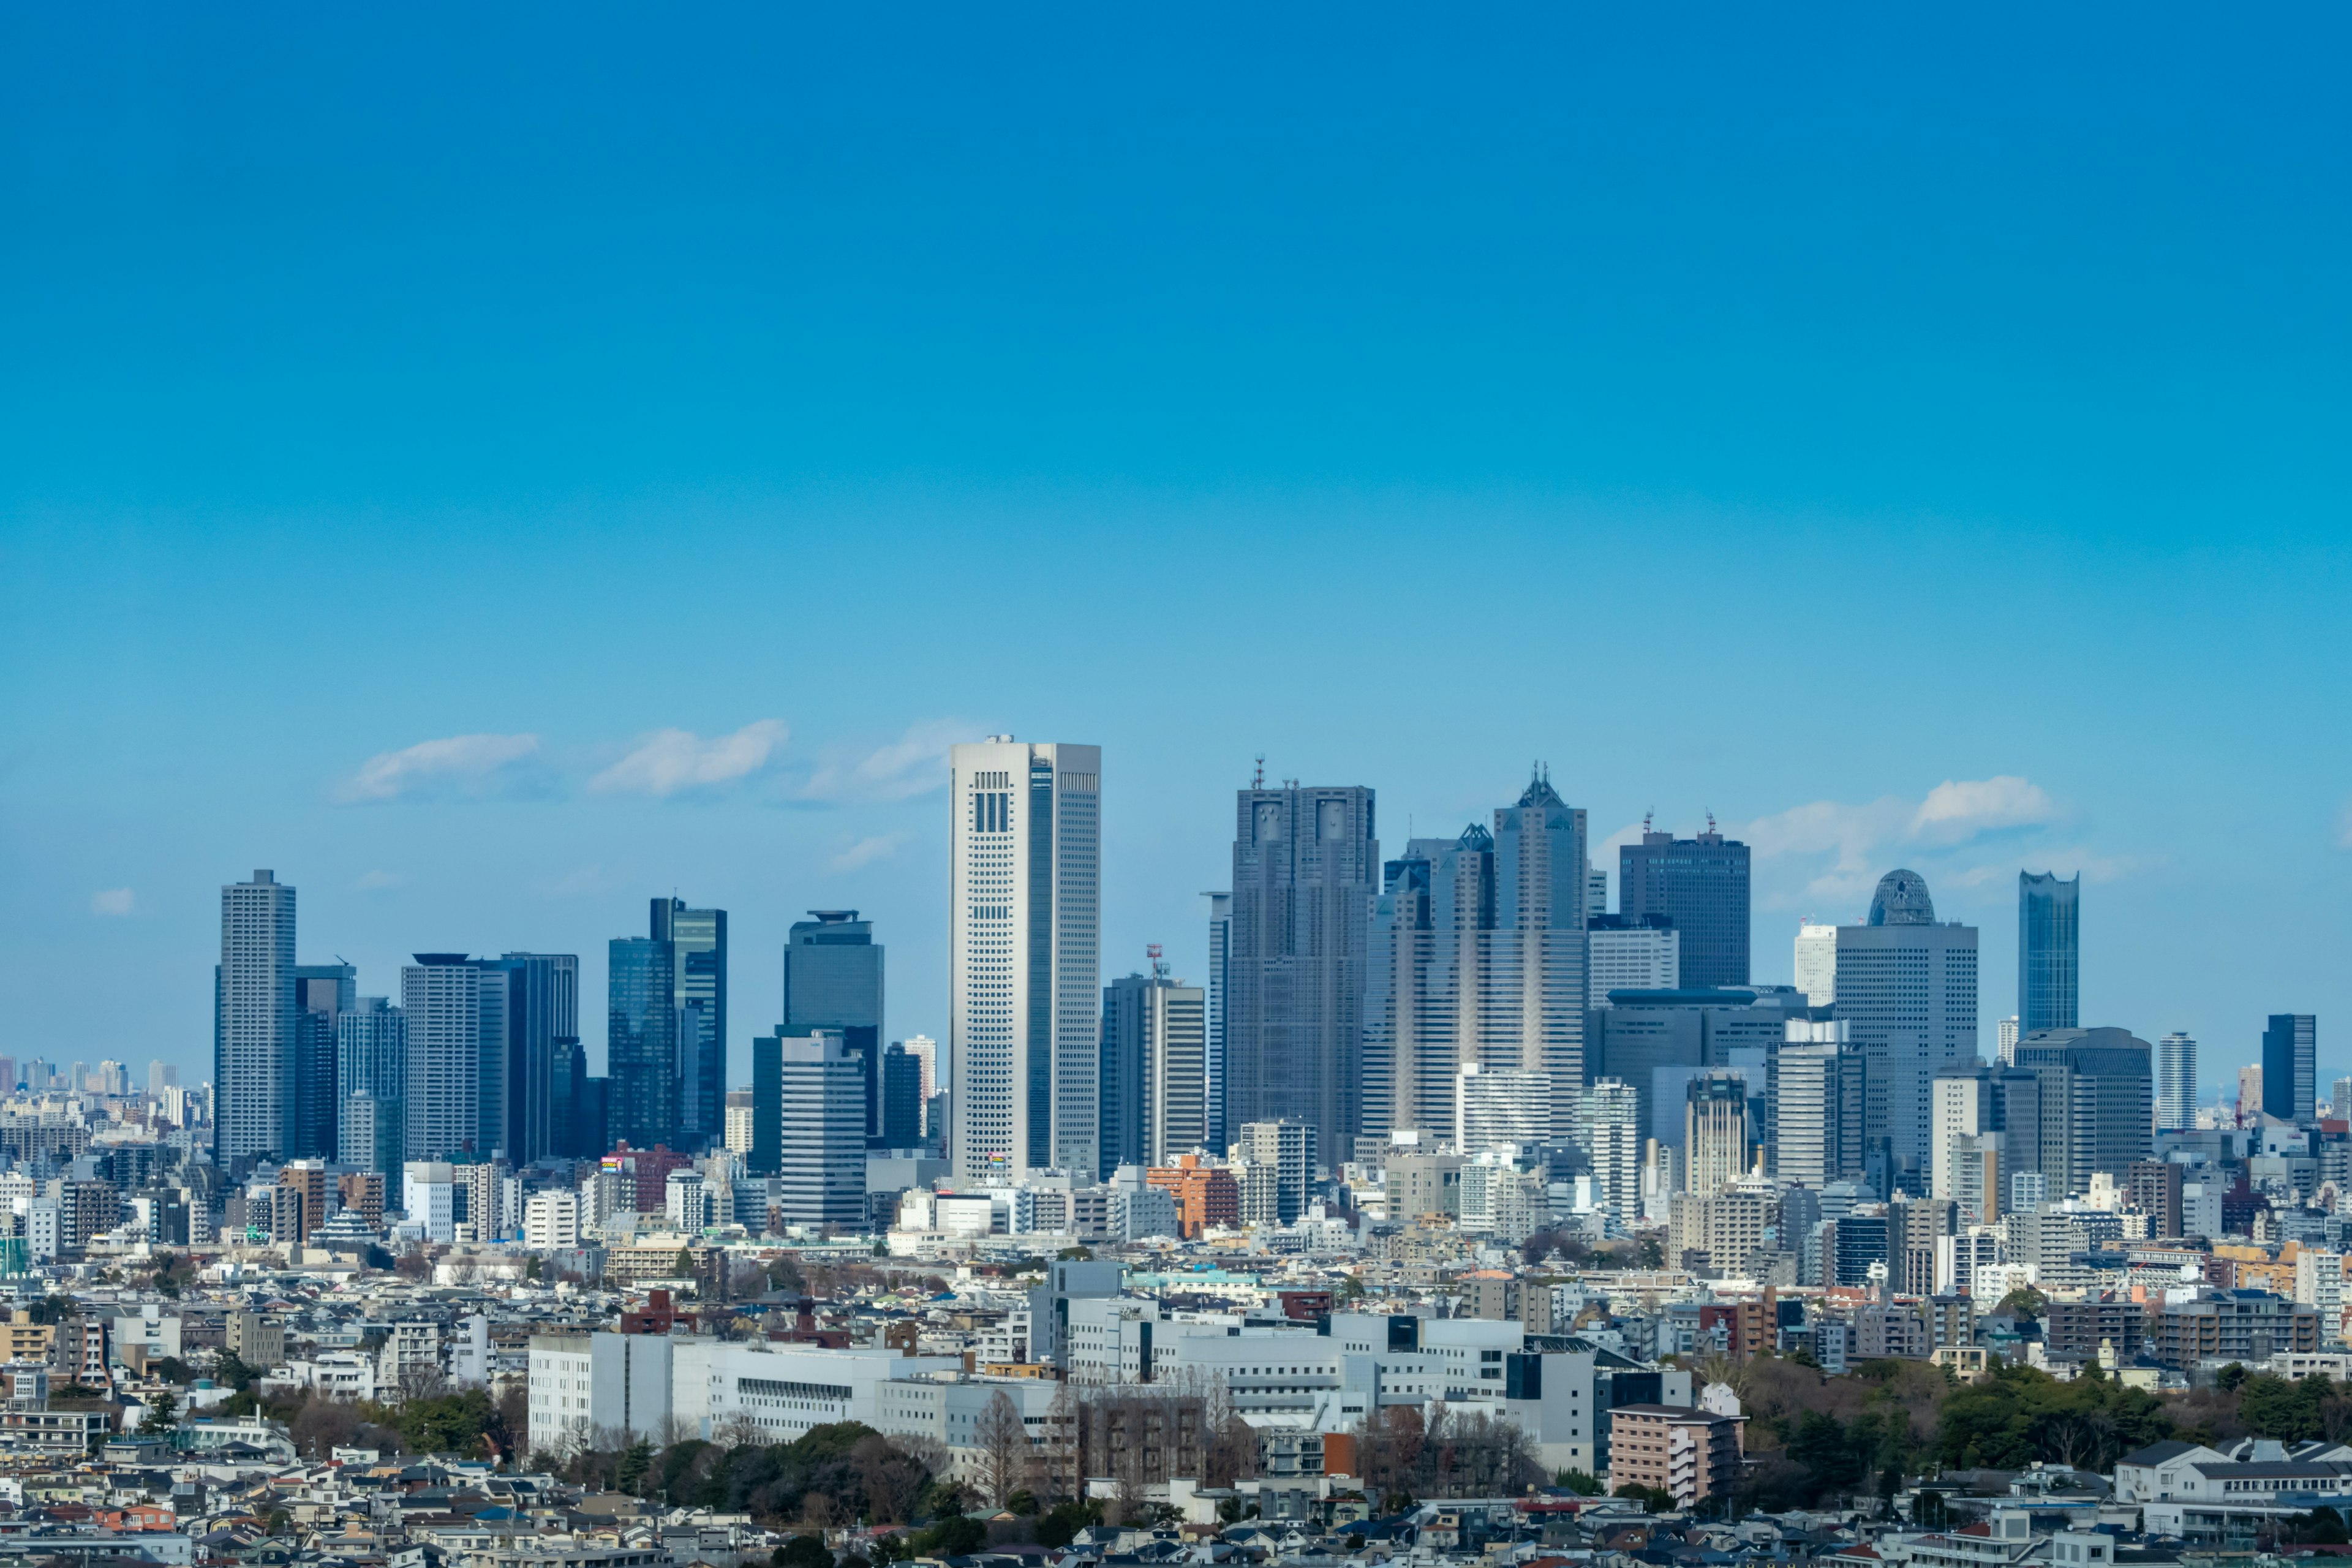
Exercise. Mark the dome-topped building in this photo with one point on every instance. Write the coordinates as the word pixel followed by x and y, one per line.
pixel 1902 900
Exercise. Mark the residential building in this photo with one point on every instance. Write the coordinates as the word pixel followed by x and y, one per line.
pixel 1205 1194
pixel 821 1174
pixel 551 1220
pixel 1633 954
pixel 1688 1453
pixel 2176 1083
pixel 1500 1106
pixel 1721 1231
pixel 2049 950
pixel 1817 963
pixel 253 1021
pixel 1906 988
pixel 739 1122
pixel 428 1198
pixel 2231 1325
pixel 1478 953
pixel 2290 1068
pixel 457 1020
pixel 1422 1186
pixel 1702 884
pixel 1289 1149
pixel 1608 1125
pixel 372 1070
pixel 2156 1191
pixel 2005 1041
pixel 1304 864
pixel 1816 1089
pixel 1024 955
pixel 833 980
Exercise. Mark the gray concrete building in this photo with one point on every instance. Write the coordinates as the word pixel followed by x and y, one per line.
pixel 253 1020
pixel 1906 987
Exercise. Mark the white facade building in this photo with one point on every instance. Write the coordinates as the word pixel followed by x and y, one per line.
pixel 551 1220
pixel 429 1196
pixel 2176 1083
pixel 1639 957
pixel 1609 1126
pixel 1817 963
pixel 1024 955
pixel 1495 1106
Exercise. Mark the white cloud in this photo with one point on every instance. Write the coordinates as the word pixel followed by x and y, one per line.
pixel 915 764
pixel 866 851
pixel 376 881
pixel 1959 809
pixel 669 761
pixel 113 901
pixel 587 881
pixel 466 764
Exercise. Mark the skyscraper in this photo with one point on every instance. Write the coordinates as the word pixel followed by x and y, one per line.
pixel 1607 1124
pixel 1817 963
pixel 1151 1074
pixel 2290 1068
pixel 1816 1090
pixel 2176 1083
pixel 1629 954
pixel 697 942
pixel 544 1008
pixel 323 992
pixel 1477 953
pixel 641 1041
pixel 833 980
pixel 372 1070
pixel 1213 1066
pixel 1702 882
pixel 2095 1104
pixel 1024 955
pixel 2049 950
pixel 457 1023
pixel 1906 985
pixel 902 1100
pixel 1304 862
pixel 253 1021
pixel 822 1122
pixel 1714 1131
pixel 2004 1049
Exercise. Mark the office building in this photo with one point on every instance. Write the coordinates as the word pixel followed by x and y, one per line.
pixel 1212 1069
pixel 1596 893
pixel 1024 955
pixel 372 1067
pixel 1633 954
pixel 2176 1083
pixel 1816 1088
pixel 2249 1095
pixel 641 1041
pixel 1817 963
pixel 902 1102
pixel 2005 1041
pixel 322 992
pixel 1153 1105
pixel 833 980
pixel 1657 1041
pixel 697 940
pixel 2290 1068
pixel 1701 883
pixel 1305 868
pixel 2156 1190
pixel 1906 985
pixel 926 1052
pixel 821 1118
pixel 2049 950
pixel 458 1014
pixel 1500 1106
pixel 543 1007
pixel 2339 1094
pixel 1715 1136
pixel 1608 1126
pixel 253 1021
pixel 1287 1148
pixel 1478 954
pixel 1966 1110
pixel 2084 1100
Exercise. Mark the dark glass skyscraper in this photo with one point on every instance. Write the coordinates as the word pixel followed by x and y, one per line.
pixel 2290 1068
pixel 544 1000
pixel 1702 882
pixel 1305 868
pixel 641 1041
pixel 833 980
pixel 2049 949
pixel 322 992
pixel 902 1100
pixel 697 942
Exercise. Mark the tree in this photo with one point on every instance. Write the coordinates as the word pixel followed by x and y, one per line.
pixel 2025 1301
pixel 161 1415
pixel 804 1552
pixel 1004 1444
pixel 634 1462
pixel 1582 1483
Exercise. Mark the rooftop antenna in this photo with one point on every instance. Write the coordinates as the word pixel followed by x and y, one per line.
pixel 1257 779
pixel 1645 820
pixel 1152 951
pixel 1710 822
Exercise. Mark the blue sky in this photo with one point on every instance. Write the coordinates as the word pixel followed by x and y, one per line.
pixel 1917 440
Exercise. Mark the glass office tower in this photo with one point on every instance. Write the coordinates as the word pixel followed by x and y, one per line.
pixel 833 980
pixel 2048 951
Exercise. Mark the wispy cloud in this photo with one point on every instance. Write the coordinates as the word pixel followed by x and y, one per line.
pixel 587 881
pixel 915 764
pixel 866 851
pixel 671 761
pixel 377 881
pixel 112 902
pixel 462 765
pixel 1959 809
pixel 1849 846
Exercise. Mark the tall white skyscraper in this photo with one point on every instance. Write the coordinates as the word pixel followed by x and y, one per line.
pixel 1024 955
pixel 2004 1049
pixel 253 1020
pixel 1817 963
pixel 1608 1123
pixel 2176 1083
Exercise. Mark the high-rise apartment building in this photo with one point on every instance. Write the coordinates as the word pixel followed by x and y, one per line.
pixel 1212 1069
pixel 1702 882
pixel 1633 954
pixel 1024 955
pixel 323 992
pixel 1306 863
pixel 1500 1106
pixel 1153 1104
pixel 820 1120
pixel 1608 1125
pixel 1817 963
pixel 2049 950
pixel 253 1021
pixel 833 980
pixel 371 1067
pixel 1817 1090
pixel 2290 1068
pixel 1966 1109
pixel 1287 1148
pixel 1716 1132
pixel 1478 954
pixel 2176 1083
pixel 458 1021
pixel 1906 985
pixel 697 944
pixel 2004 1050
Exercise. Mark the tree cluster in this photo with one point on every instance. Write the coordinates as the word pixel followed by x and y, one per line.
pixel 1403 1453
